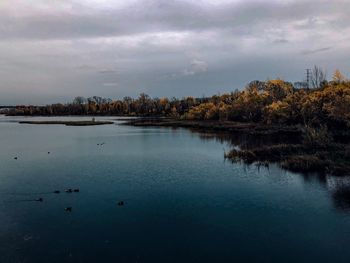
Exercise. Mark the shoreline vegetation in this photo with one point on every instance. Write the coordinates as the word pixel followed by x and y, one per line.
pixel 293 152
pixel 312 118
pixel 68 123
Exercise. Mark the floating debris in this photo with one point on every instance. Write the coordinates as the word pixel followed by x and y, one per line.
pixel 68 209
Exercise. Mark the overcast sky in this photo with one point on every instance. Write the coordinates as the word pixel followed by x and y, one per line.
pixel 54 50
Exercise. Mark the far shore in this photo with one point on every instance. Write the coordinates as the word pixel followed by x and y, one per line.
pixel 69 123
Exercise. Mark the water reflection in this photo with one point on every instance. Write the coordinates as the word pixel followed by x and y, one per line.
pixel 341 198
pixel 181 200
pixel 337 187
pixel 245 141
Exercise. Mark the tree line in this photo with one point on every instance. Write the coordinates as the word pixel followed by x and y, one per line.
pixel 279 102
pixel 272 102
pixel 144 105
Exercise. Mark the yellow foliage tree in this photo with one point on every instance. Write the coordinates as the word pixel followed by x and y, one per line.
pixel 338 77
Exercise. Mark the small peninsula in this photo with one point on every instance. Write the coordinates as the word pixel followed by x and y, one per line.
pixel 69 123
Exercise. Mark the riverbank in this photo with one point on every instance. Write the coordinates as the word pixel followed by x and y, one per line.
pixel 68 123
pixel 218 126
pixel 292 152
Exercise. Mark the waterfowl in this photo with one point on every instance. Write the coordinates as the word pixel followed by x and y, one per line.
pixel 69 190
pixel 48 152
pixel 121 203
pixel 39 199
pixel 15 158
pixel 68 209
pixel 76 190
pixel 56 192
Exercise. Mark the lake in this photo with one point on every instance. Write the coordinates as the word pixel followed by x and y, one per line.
pixel 182 201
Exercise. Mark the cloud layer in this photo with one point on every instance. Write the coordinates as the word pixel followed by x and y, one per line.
pixel 54 50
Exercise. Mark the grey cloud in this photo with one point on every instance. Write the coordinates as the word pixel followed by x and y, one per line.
pixel 163 15
pixel 110 84
pixel 67 48
pixel 317 50
pixel 197 66
pixel 85 67
pixel 107 71
pixel 281 41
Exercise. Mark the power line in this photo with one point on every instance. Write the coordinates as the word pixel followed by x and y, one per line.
pixel 308 77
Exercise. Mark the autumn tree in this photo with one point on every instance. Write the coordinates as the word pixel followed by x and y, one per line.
pixel 338 77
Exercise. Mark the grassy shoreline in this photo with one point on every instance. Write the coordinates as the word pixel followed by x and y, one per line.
pixel 218 126
pixel 294 155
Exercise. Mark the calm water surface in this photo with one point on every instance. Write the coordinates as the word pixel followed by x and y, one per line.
pixel 183 202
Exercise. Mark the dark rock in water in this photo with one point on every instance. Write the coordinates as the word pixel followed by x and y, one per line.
pixel 76 190
pixel 121 203
pixel 56 192
pixel 68 209
pixel 69 190
pixel 39 199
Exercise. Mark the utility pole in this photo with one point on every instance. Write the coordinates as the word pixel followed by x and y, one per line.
pixel 308 77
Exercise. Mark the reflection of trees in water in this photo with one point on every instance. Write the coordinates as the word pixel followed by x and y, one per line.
pixel 245 140
pixel 341 198
pixel 321 178
pixel 340 190
pixel 338 187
